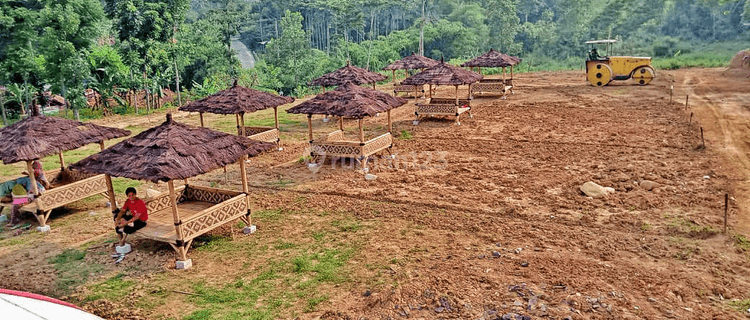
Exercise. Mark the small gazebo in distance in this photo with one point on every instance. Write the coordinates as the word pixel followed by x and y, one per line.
pixel 444 74
pixel 494 59
pixel 175 151
pixel 412 62
pixel 350 101
pixel 239 100
pixel 39 136
pixel 346 74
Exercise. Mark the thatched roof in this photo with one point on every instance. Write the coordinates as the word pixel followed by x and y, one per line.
pixel 350 101
pixel 235 100
pixel 443 74
pixel 39 136
pixel 414 61
pixel 346 74
pixel 492 59
pixel 171 151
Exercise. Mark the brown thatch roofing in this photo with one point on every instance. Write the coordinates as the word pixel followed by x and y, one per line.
pixel 346 74
pixel 443 74
pixel 414 61
pixel 171 151
pixel 492 59
pixel 236 99
pixel 350 101
pixel 40 136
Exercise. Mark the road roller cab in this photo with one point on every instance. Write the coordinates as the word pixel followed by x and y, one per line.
pixel 601 70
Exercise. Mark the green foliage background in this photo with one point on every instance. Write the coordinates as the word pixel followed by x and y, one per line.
pixel 115 46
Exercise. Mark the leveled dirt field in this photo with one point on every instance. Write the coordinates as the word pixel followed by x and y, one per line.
pixel 479 221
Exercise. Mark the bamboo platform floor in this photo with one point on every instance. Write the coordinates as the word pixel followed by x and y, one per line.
pixel 160 224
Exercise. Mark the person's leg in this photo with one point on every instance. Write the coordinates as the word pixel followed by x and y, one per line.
pixel 15 215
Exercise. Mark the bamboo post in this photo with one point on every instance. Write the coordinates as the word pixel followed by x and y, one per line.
pixel 30 169
pixel 511 72
pixel 415 92
pixel 390 124
pixel 480 70
pixel 225 175
pixel 309 127
pixel 394 76
pixel 242 125
pixel 276 117
pixel 726 209
pixel 201 115
pixel 456 94
pixel 239 129
pixel 503 75
pixel 62 161
pixel 176 217
pixel 185 181
pixel 361 132
pixel 430 92
pixel 245 187
pixel 111 192
pixel 101 145
pixel 341 123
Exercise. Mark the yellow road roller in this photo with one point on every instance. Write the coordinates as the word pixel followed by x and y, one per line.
pixel 601 70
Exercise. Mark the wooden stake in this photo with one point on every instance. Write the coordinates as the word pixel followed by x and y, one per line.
pixel 30 169
pixel 691 119
pixel 671 92
pixel 276 117
pixel 62 161
pixel 201 115
pixel 373 86
pixel 390 124
pixel 686 101
pixel 309 127
pixel 703 141
pixel 726 210
pixel 175 214
pixel 361 132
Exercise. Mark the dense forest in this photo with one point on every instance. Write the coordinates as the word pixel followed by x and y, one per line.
pixel 118 46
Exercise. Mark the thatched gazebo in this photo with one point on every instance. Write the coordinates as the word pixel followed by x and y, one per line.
pixel 444 74
pixel 350 101
pixel 175 151
pixel 412 62
pixel 494 59
pixel 39 136
pixel 347 74
pixel 239 100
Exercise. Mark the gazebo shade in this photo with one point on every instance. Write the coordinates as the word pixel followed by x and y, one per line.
pixel 414 61
pixel 171 151
pixel 346 74
pixel 492 59
pixel 39 136
pixel 236 100
pixel 443 74
pixel 349 101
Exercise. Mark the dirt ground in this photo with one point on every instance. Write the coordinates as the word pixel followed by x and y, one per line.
pixel 482 220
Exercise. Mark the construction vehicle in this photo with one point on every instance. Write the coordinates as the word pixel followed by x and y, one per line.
pixel 600 71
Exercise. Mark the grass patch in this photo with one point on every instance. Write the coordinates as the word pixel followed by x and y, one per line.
pixel 347 225
pixel 645 226
pixel 269 215
pixel 72 271
pixel 741 305
pixel 112 289
pixel 121 184
pixel 405 135
pixel 742 242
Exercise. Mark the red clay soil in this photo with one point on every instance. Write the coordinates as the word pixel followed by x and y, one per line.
pixel 486 220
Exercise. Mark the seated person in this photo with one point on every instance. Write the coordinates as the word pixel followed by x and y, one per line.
pixel 594 55
pixel 132 217
pixel 6 188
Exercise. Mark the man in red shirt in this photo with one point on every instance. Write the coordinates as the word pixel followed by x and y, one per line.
pixel 132 217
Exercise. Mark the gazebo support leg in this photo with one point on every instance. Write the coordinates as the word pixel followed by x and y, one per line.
pixel 511 80
pixel 394 76
pixel 111 192
pixel 341 124
pixel 309 127
pixel 62 161
pixel 181 246
pixel 242 124
pixel 201 115
pixel 239 129
pixel 276 125
pixel 41 217
pixel 247 218
pixel 390 124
